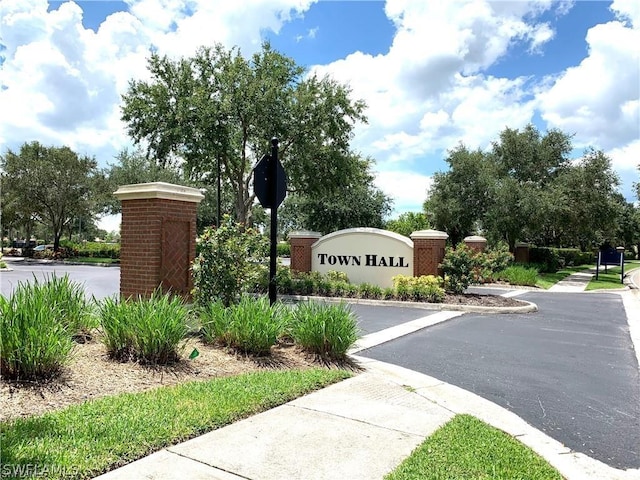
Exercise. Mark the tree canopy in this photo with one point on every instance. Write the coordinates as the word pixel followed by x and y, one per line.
pixel 217 111
pixel 51 185
pixel 526 188
pixel 408 222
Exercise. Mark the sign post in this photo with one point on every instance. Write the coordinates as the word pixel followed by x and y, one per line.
pixel 270 187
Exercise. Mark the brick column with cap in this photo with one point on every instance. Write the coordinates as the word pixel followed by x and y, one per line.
pixel 301 250
pixel 476 243
pixel 157 238
pixel 428 251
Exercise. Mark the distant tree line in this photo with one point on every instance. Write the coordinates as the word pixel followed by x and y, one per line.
pixel 526 188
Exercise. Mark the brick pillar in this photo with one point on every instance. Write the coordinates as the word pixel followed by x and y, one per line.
pixel 301 250
pixel 476 243
pixel 428 251
pixel 521 253
pixel 157 238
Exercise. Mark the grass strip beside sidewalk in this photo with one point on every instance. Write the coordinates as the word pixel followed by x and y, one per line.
pixel 94 437
pixel 467 448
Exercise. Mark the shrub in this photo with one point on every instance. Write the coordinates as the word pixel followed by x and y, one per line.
pixel 283 249
pixel 283 279
pixel 91 249
pixel 546 259
pixel 334 276
pixel 492 261
pixel 339 289
pixel 389 293
pixel 426 288
pixel 326 330
pixel 228 261
pixel 147 330
pixel 35 341
pixel 367 290
pixel 573 256
pixel 518 275
pixel 253 325
pixel 401 287
pixel 458 266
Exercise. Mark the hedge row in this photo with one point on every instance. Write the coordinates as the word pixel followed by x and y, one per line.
pixel 551 259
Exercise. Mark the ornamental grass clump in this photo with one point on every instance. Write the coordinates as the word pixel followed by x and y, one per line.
pixel 324 329
pixel 70 298
pixel 251 326
pixel 214 320
pixel 35 336
pixel 254 326
pixel 518 275
pixel 147 330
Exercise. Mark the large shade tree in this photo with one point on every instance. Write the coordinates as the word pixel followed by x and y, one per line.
pixel 459 198
pixel 216 112
pixel 526 188
pixel 52 185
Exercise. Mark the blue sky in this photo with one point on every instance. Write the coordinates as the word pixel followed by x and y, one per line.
pixel 433 73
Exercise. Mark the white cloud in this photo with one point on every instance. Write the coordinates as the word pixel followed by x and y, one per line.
pixel 598 99
pixel 407 189
pixel 626 158
pixel 429 92
pixel 61 83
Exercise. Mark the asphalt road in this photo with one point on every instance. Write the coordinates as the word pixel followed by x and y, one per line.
pixel 569 369
pixel 100 282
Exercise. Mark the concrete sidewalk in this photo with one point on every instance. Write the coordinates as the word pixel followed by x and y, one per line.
pixel 576 282
pixel 361 428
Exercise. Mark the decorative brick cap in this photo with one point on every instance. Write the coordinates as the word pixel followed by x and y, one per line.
pixel 163 190
pixel 304 234
pixel 429 235
pixel 475 238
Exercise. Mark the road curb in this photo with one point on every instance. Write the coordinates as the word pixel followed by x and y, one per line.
pixel 572 465
pixel 528 307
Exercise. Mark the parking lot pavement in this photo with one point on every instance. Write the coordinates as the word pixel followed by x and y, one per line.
pixel 98 282
pixel 373 318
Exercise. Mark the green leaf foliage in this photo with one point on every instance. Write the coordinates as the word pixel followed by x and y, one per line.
pixel 147 330
pixel 228 262
pixel 409 222
pixel 218 111
pixel 50 185
pixel 37 326
pixel 324 329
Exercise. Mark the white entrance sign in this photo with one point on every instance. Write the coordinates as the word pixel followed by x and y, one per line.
pixel 366 255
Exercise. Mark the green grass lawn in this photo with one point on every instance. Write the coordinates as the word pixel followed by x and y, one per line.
pixel 97 436
pixel 94 260
pixel 466 448
pixel 609 280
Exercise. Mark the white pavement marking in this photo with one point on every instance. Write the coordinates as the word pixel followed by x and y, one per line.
pixel 631 302
pixel 514 293
pixel 391 333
